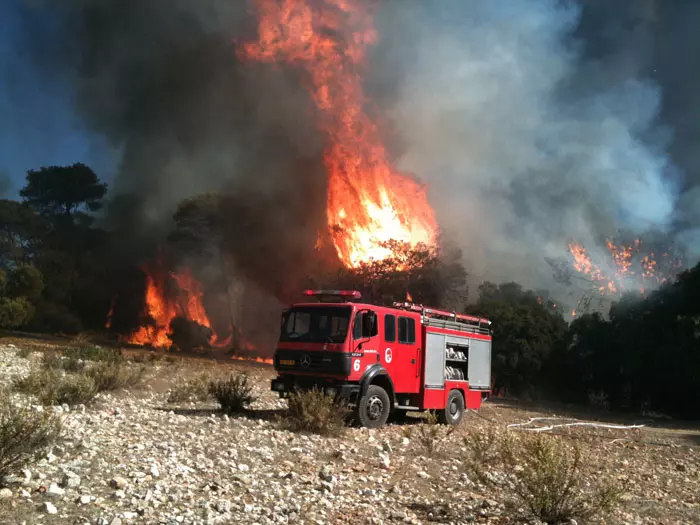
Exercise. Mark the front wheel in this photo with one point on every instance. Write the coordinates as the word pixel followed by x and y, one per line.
pixel 374 407
pixel 454 411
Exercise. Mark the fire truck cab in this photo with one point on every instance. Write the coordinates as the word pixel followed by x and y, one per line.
pixel 384 361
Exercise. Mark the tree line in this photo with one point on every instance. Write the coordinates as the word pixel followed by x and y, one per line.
pixel 60 271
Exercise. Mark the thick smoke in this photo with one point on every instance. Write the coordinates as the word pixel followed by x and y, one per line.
pixel 533 121
pixel 532 129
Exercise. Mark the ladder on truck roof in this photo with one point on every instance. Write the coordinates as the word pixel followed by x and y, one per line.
pixel 445 319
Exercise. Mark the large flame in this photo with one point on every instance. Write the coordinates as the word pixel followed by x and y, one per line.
pixel 162 308
pixel 369 201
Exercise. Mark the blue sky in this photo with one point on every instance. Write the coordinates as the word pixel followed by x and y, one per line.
pixel 38 126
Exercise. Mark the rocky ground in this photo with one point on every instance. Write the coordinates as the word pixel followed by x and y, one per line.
pixel 133 458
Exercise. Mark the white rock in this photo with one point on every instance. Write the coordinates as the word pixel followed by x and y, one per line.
pixel 84 499
pixel 118 483
pixel 49 507
pixel 5 493
pixel 154 471
pixel 55 490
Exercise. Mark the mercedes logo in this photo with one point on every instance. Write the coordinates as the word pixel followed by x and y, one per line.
pixel 305 361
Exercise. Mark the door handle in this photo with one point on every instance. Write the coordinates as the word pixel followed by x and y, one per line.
pixel 413 361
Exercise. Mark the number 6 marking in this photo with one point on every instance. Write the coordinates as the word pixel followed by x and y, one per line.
pixel 356 365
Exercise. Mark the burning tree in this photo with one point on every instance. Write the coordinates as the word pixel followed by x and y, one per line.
pixel 421 274
pixel 624 267
pixel 369 203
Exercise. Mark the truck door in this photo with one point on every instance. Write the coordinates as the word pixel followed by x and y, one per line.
pixel 400 352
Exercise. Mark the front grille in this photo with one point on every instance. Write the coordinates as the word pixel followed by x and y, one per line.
pixel 312 361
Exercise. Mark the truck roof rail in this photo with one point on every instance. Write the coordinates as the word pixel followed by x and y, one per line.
pixel 435 313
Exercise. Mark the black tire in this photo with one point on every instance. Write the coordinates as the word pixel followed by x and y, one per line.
pixel 453 413
pixel 374 407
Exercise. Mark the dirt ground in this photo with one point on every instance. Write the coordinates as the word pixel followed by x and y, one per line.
pixel 263 472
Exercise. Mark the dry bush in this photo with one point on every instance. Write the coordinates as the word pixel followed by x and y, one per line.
pixel 25 434
pixel 191 390
pixel 23 353
pixel 482 452
pixel 546 475
pixel 429 434
pixel 234 393
pixel 315 411
pixel 88 352
pixel 55 361
pixel 149 357
pixel 52 387
pixel 82 339
pixel 114 375
pixel 70 389
pixel 60 380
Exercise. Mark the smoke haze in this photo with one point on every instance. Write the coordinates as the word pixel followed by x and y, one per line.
pixel 534 122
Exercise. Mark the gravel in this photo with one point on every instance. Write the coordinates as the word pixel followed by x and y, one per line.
pixel 132 458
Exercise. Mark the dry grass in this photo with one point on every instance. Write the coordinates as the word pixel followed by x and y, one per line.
pixel 316 412
pixel 24 435
pixel 544 474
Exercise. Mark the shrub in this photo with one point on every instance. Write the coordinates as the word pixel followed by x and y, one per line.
pixel 429 434
pixel 55 361
pixel 24 435
pixel 547 477
pixel 108 375
pixel 15 312
pixel 315 411
pixel 94 353
pixel 24 352
pixel 234 393
pixel 193 389
pixel 54 388
pixel 70 389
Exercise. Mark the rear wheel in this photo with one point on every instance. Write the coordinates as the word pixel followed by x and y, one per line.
pixel 374 407
pixel 454 410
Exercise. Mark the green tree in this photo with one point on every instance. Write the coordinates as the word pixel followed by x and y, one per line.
pixel 527 331
pixel 25 281
pixel 63 190
pixel 20 233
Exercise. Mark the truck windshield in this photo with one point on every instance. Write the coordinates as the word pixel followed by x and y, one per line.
pixel 316 324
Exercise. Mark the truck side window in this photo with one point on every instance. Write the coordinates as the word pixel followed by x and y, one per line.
pixel 357 326
pixel 389 328
pixel 407 330
pixel 362 318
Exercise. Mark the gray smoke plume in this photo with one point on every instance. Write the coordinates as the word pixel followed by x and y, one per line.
pixel 534 122
pixel 537 122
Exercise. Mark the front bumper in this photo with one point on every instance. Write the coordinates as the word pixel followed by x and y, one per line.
pixel 341 391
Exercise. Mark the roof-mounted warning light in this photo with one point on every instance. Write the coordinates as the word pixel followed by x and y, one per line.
pixel 333 295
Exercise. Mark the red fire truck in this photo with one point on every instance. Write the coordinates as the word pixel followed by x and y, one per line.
pixel 384 361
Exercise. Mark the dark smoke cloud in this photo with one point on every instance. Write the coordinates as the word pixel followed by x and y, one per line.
pixel 160 78
pixel 533 121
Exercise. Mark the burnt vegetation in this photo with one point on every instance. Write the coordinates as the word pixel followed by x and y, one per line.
pixel 60 273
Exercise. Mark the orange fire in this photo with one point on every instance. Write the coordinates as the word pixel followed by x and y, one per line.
pixel 163 309
pixel 369 202
pixel 621 272
pixel 110 314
